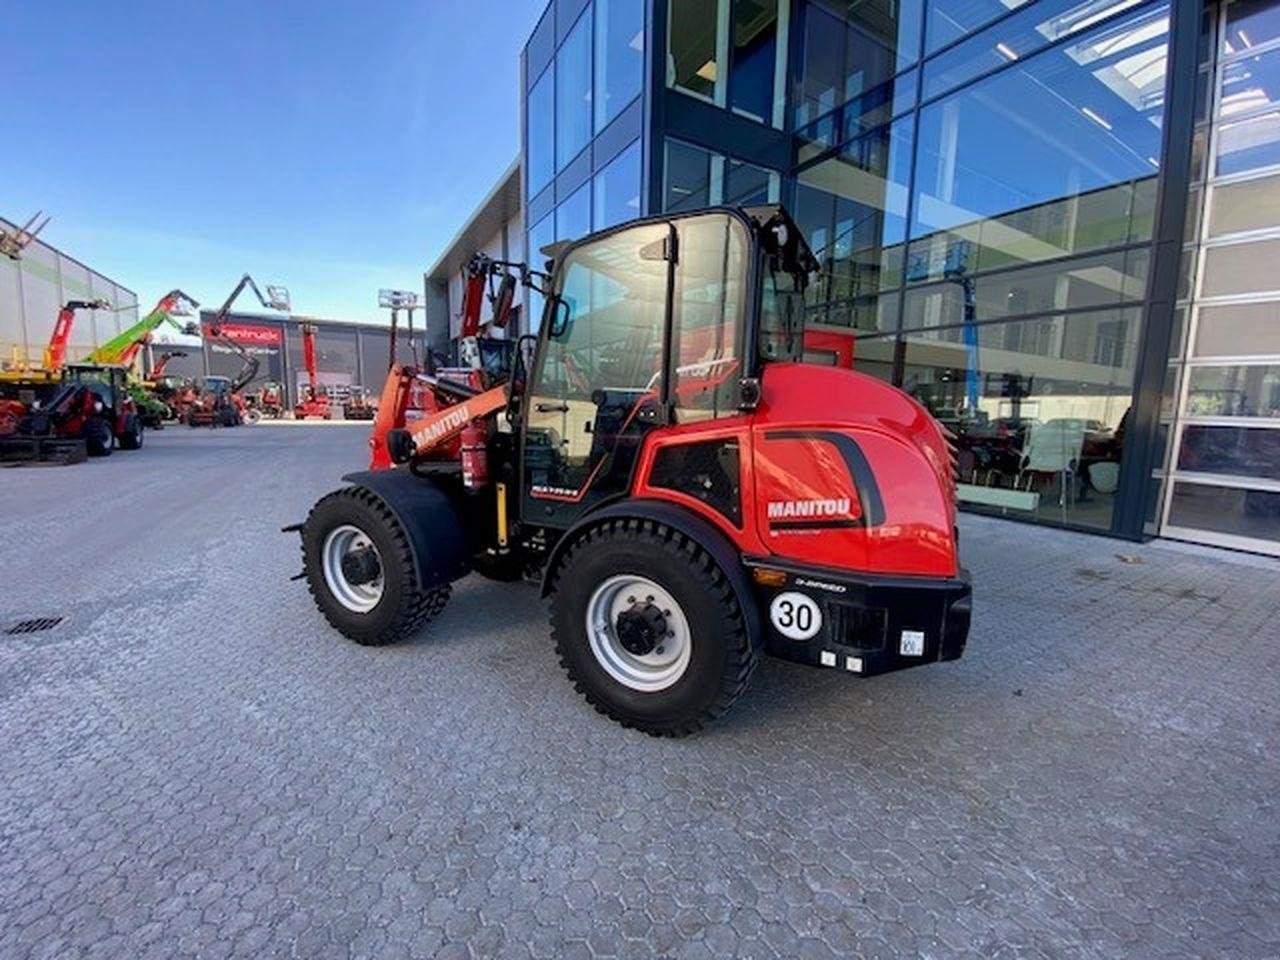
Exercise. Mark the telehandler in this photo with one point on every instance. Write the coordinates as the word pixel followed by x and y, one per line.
pixel 688 493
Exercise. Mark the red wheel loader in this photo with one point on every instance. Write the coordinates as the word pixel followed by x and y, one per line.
pixel 689 495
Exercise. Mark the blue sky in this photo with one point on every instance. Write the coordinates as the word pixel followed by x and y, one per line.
pixel 331 147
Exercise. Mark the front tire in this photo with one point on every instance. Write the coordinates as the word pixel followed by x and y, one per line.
pixel 360 570
pixel 649 628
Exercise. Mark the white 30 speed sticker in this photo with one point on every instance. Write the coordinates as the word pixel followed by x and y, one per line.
pixel 795 615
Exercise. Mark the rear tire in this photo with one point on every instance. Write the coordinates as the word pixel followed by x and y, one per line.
pixel 393 607
pixel 131 438
pixel 98 438
pixel 671 692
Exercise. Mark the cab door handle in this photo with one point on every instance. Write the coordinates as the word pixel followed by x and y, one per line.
pixel 551 407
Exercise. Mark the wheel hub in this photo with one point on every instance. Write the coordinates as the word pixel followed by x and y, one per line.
pixel 640 629
pixel 638 632
pixel 352 568
pixel 361 566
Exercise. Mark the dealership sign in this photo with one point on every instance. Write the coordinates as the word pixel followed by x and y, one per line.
pixel 248 333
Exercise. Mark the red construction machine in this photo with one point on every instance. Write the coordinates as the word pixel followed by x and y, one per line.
pixel 689 494
pixel 219 401
pixel 314 401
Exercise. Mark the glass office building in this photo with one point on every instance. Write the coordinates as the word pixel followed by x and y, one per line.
pixel 1052 222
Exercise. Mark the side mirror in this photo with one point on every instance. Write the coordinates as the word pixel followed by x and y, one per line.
pixel 502 301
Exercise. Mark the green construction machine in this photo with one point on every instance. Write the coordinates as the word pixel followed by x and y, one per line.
pixel 124 347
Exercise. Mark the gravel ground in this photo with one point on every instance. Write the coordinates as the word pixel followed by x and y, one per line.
pixel 195 765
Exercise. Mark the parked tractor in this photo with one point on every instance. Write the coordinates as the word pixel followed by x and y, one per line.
pixel 689 495
pixel 91 413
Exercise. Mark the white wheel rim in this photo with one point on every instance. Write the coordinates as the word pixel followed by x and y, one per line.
pixel 340 542
pixel 654 671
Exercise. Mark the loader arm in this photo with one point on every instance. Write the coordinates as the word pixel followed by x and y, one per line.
pixel 55 354
pixel 173 303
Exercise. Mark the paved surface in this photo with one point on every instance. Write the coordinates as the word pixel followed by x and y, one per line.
pixel 194 765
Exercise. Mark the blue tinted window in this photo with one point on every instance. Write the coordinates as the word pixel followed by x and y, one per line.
pixel 1015 39
pixel 573 92
pixel 542 234
pixel 687 182
pixel 852 208
pixel 1052 146
pixel 754 37
pixel 540 132
pixel 745 183
pixel 949 20
pixel 617 189
pixel 573 216
pixel 850 50
pixel 619 56
pixel 541 46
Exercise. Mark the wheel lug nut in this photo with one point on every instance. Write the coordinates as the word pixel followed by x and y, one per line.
pixel 666 613
pixel 670 634
pixel 649 599
pixel 662 649
pixel 631 599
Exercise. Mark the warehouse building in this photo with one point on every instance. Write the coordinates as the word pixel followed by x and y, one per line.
pixel 347 354
pixel 1053 222
pixel 34 287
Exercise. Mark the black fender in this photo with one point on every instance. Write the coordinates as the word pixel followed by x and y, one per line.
pixel 720 547
pixel 441 548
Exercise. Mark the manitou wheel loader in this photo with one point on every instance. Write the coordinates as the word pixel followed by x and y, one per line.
pixel 689 495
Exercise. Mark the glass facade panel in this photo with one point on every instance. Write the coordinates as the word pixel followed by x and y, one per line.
pixel 540 136
pixel 1030 31
pixel 1234 391
pixel 1230 451
pixel 1240 207
pixel 693 54
pixel 617 189
pixel 619 56
pixel 1096 281
pixel 754 52
pixel 949 20
pixel 850 52
pixel 1250 23
pixel 1240 268
pixel 687 177
pixel 1239 330
pixel 747 184
pixel 573 216
pixel 1039 408
pixel 1251 144
pixel 852 208
pixel 1250 83
pixel 542 234
pixel 1056 148
pixel 573 92
pixel 1226 510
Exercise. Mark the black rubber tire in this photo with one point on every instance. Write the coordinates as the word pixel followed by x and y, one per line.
pixel 98 438
pixel 131 437
pixel 406 607
pixel 723 657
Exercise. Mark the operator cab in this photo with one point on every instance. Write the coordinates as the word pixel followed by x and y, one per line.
pixel 104 382
pixel 660 322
